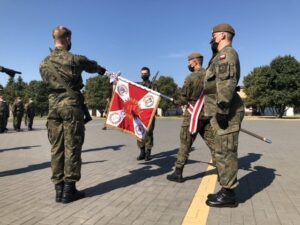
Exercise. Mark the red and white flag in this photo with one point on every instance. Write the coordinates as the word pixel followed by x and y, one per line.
pixel 195 112
pixel 132 108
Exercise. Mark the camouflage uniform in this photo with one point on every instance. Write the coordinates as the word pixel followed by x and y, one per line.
pixel 4 114
pixel 147 143
pixel 221 97
pixel 18 112
pixel 190 93
pixel 66 118
pixel 29 114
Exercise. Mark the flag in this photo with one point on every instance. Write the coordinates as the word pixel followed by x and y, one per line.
pixel 195 112
pixel 132 108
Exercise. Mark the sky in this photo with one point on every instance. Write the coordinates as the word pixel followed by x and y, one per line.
pixel 125 35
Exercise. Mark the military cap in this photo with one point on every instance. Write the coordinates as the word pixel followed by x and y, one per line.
pixel 224 27
pixel 195 55
pixel 61 32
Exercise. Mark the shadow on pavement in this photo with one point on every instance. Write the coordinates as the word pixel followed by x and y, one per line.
pixel 245 161
pixel 19 148
pixel 200 175
pixel 113 147
pixel 163 164
pixel 256 180
pixel 34 167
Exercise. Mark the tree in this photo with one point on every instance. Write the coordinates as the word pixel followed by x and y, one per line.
pixel 167 86
pixel 276 86
pixel 14 89
pixel 37 91
pixel 97 90
pixel 285 83
pixel 257 87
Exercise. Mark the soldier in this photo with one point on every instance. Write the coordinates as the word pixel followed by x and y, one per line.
pixel 106 112
pixel 225 111
pixel 190 93
pixel 146 144
pixel 4 114
pixel 6 107
pixel 61 71
pixel 18 112
pixel 29 113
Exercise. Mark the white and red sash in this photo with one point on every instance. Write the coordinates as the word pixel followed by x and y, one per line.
pixel 195 112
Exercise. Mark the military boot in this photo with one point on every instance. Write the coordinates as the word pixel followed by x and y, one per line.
pixel 142 154
pixel 59 191
pixel 176 175
pixel 70 193
pixel 224 198
pixel 148 155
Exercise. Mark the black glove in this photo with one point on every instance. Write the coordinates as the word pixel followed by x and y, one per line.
pixel 101 70
pixel 222 120
pixel 9 72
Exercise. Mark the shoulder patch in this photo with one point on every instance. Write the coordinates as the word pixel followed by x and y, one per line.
pixel 221 57
pixel 223 68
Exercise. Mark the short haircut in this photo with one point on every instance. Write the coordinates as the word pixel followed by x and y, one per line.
pixel 61 32
pixel 229 36
pixel 146 68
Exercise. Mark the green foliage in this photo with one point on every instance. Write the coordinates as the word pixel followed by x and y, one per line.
pixel 14 89
pixel 97 90
pixel 276 86
pixel 37 91
pixel 167 86
pixel 257 87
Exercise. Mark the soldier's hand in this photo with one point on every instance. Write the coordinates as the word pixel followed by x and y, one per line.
pixel 11 73
pixel 222 120
pixel 101 70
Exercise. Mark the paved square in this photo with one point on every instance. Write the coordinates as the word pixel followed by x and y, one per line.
pixel 122 190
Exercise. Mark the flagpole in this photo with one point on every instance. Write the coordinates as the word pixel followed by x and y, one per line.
pixel 145 88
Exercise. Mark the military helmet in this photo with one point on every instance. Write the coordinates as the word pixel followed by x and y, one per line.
pixel 223 27
pixel 61 32
pixel 195 55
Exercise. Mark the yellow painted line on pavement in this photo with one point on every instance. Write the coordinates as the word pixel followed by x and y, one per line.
pixel 198 212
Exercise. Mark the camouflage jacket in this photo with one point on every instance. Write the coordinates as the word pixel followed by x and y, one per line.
pixel 147 83
pixel 222 77
pixel 192 87
pixel 30 109
pixel 17 108
pixel 69 67
pixel 4 108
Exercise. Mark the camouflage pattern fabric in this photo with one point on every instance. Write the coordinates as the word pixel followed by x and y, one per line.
pixel 29 114
pixel 222 77
pixel 190 93
pixel 65 121
pixel 4 114
pixel 18 112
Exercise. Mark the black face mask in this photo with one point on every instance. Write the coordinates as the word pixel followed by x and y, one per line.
pixel 69 46
pixel 191 68
pixel 214 46
pixel 145 78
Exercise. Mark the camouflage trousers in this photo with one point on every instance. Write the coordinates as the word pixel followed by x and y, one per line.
pixel 2 122
pixel 187 139
pixel 226 146
pixel 17 120
pixel 29 121
pixel 66 135
pixel 147 143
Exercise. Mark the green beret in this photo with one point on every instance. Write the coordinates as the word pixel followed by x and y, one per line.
pixel 195 55
pixel 224 27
